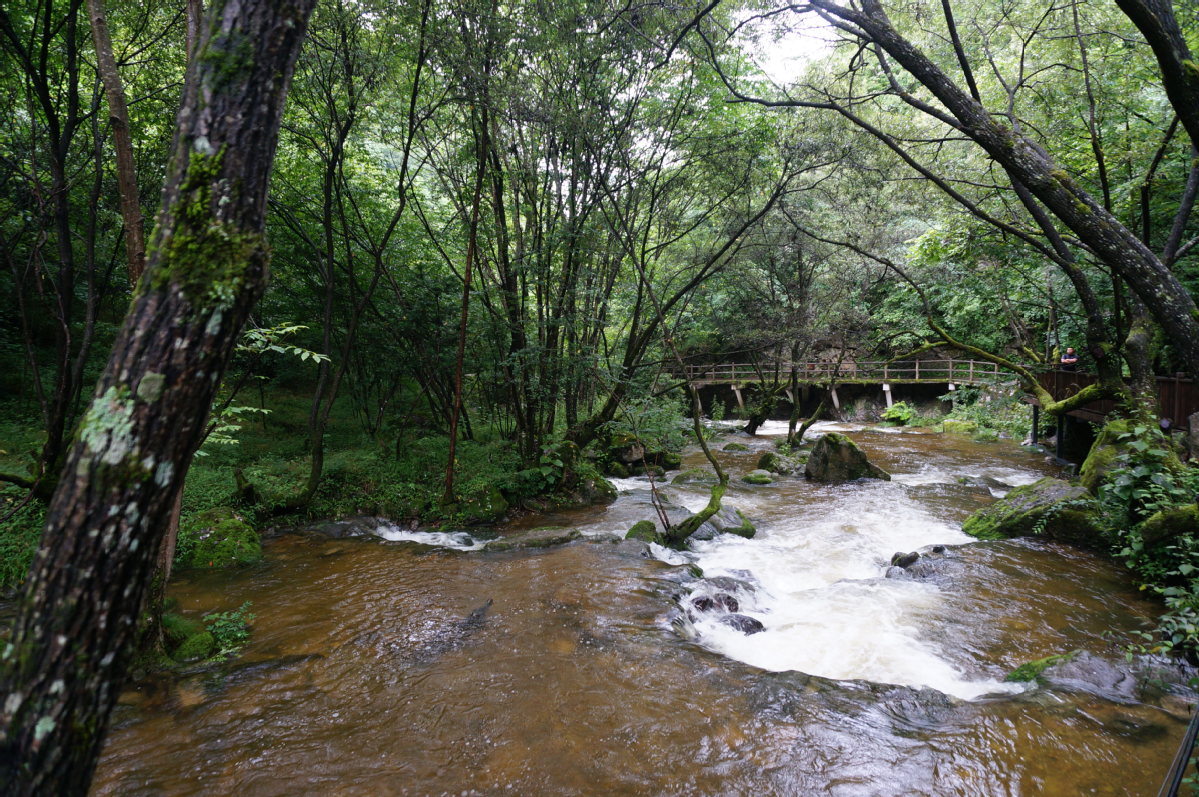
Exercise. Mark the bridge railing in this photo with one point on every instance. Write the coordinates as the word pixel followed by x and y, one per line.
pixel 1177 396
pixel 956 371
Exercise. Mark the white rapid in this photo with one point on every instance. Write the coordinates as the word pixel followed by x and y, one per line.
pixel 815 575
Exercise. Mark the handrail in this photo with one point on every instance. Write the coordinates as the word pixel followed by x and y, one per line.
pixel 963 371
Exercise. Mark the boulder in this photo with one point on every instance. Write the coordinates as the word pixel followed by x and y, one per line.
pixel 1107 452
pixel 196 647
pixel 776 463
pixel 735 447
pixel 695 476
pixel 904 559
pixel 743 623
pixel 1051 508
pixel 732 521
pixel 836 458
pixel 1169 524
pixel 535 538
pixel 644 530
pixel 670 460
pixel 954 426
pixel 218 537
pixel 357 526
pixel 758 477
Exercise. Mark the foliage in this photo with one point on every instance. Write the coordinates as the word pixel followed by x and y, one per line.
pixel 1135 494
pixel 1004 414
pixel 900 413
pixel 230 630
pixel 21 522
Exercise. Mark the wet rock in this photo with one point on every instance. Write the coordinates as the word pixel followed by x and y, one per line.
pixel 670 460
pixel 360 526
pixel 904 559
pixel 645 530
pixel 535 538
pixel 743 623
pixel 657 471
pixel 730 520
pixel 731 584
pixel 727 602
pixel 777 463
pixel 758 477
pixel 897 573
pixel 1085 672
pixel 695 476
pixel 1031 671
pixel 217 538
pixel 1051 508
pixel 735 446
pixel 836 458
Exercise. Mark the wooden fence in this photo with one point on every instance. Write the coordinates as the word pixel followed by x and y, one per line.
pixel 1177 396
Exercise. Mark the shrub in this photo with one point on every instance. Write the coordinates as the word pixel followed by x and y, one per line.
pixel 900 413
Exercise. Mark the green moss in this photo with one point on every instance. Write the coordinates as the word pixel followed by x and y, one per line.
pixel 176 629
pixel 695 476
pixel 1031 671
pixel 644 530
pixel 229 56
pixel 1050 507
pixel 758 477
pixel 735 447
pixel 217 538
pixel 208 259
pixel 196 647
pixel 953 426
pixel 1171 524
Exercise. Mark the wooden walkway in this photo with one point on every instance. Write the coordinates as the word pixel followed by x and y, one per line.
pixel 1177 396
pixel 964 372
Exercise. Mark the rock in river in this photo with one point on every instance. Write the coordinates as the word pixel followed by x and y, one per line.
pixel 836 458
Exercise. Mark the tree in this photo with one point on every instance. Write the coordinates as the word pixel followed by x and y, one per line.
pixel 206 269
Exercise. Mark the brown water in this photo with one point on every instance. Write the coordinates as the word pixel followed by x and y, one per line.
pixel 367 673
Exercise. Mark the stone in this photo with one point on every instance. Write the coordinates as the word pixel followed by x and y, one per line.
pixel 775 463
pixel 670 460
pixel 218 537
pixel 743 623
pixel 1192 439
pixel 1169 524
pixel 1051 508
pixel 1107 454
pixel 954 426
pixel 904 559
pixel 695 476
pixel 535 538
pixel 836 458
pixel 758 477
pixel 734 446
pixel 644 530
pixel 730 520
pixel 196 647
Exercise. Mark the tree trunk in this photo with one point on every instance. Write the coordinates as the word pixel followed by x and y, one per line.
pixel 118 113
pixel 71 640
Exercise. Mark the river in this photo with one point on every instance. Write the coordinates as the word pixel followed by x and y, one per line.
pixel 378 667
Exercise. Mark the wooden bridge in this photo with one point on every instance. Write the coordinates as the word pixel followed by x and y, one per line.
pixel 965 372
pixel 1177 396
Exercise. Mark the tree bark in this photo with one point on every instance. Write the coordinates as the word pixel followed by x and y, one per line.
pixel 118 114
pixel 208 266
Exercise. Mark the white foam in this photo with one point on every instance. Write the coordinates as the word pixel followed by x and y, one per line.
pixel 458 540
pixel 821 594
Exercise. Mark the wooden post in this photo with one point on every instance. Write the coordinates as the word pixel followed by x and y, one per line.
pixel 972 372
pixel 917 370
pixel 887 393
pixel 740 400
pixel 1036 423
pixel 836 400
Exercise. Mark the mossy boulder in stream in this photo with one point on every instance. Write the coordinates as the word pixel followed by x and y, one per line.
pixel 535 538
pixel 1169 524
pixel 695 476
pixel 836 458
pixel 730 520
pixel 774 462
pixel 758 477
pixel 1031 671
pixel 1050 508
pixel 645 530
pixel 735 447
pixel 217 537
pixel 196 647
pixel 1108 452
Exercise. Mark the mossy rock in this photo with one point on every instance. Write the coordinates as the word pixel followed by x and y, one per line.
pixel 986 436
pixel 1031 671
pixel 734 446
pixel 536 538
pixel 670 460
pixel 176 628
pixel 758 477
pixel 836 458
pixel 730 520
pixel 645 530
pixel 616 470
pixel 196 647
pixel 695 476
pixel 1170 524
pixel 657 471
pixel 776 463
pixel 1107 451
pixel 954 426
pixel 484 508
pixel 1051 508
pixel 218 538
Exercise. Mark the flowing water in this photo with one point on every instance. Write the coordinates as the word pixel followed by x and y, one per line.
pixel 420 665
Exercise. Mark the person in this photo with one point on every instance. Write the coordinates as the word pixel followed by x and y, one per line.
pixel 1069 359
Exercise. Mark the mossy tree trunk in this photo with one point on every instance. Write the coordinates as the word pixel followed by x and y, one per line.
pixel 207 266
